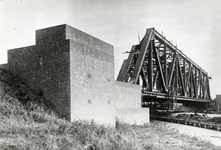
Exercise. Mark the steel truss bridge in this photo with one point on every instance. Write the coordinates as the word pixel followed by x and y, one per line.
pixel 164 72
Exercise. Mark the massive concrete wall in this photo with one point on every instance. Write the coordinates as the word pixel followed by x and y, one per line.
pixel 94 93
pixel 128 104
pixel 45 68
pixel 75 71
pixel 92 72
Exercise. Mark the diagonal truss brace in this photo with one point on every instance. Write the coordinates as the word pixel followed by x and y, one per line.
pixel 158 66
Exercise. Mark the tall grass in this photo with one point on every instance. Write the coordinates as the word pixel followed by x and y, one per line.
pixel 23 128
pixel 26 123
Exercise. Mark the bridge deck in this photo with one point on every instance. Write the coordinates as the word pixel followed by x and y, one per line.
pixel 156 97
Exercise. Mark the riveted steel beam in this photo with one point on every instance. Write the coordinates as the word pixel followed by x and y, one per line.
pixel 143 50
pixel 164 69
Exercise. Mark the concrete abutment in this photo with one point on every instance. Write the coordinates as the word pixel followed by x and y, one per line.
pixel 75 72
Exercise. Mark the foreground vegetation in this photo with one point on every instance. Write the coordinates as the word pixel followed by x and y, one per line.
pixel 27 122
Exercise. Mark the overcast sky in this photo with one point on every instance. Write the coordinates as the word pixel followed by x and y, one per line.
pixel 194 25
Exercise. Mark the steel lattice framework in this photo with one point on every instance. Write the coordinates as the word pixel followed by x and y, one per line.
pixel 163 70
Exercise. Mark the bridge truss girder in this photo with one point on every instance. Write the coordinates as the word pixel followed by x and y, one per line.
pixel 159 67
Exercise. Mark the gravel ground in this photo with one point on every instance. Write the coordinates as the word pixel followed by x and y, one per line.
pixel 209 115
pixel 205 134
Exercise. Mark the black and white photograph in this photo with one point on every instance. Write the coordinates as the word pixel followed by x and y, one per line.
pixel 110 75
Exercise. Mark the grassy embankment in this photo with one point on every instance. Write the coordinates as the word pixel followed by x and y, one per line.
pixel 26 122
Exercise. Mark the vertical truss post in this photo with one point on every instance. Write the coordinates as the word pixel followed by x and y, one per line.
pixel 191 84
pixel 165 66
pixel 196 84
pixel 176 74
pixel 188 79
pixel 200 84
pixel 203 86
pixel 184 74
pixel 150 65
pixel 181 79
pixel 208 89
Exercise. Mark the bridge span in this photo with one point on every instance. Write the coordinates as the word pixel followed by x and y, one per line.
pixel 165 73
